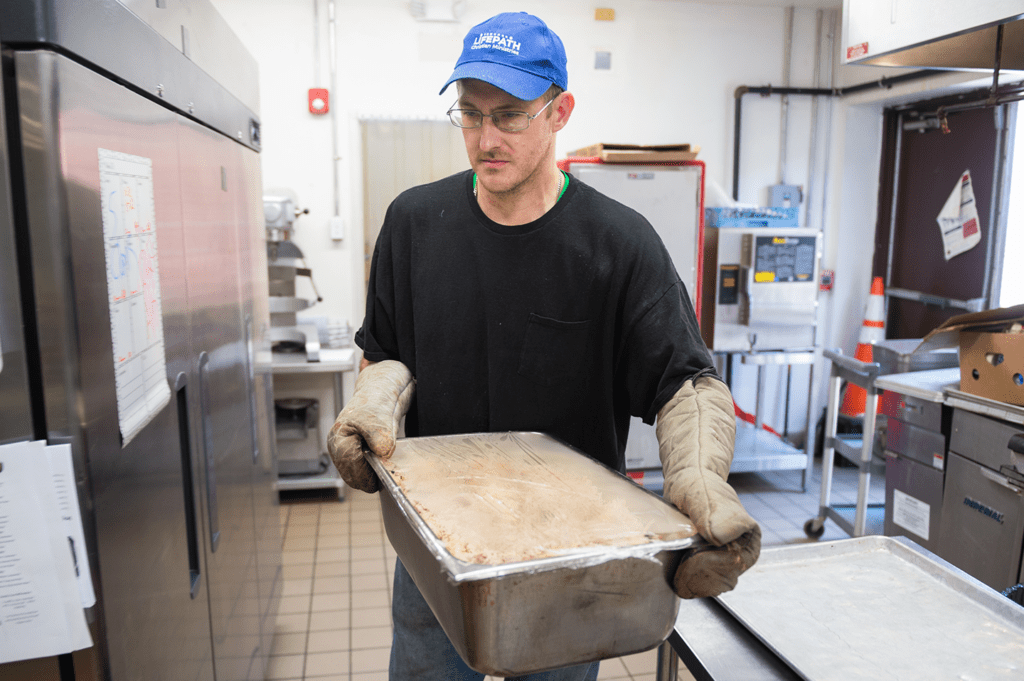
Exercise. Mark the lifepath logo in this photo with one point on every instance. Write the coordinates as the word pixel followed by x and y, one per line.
pixel 497 41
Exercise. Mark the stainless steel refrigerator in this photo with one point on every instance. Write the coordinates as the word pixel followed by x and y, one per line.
pixel 142 117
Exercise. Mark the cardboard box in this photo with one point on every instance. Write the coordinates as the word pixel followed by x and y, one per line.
pixel 991 359
pixel 638 153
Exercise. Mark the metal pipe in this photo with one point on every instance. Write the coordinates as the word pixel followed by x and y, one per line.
pixel 999 204
pixel 668 663
pixel 828 116
pixel 812 155
pixel 736 127
pixel 787 66
pixel 888 82
pixel 920 125
pixel 316 44
pixel 769 90
pixel 860 517
pixel 333 48
pixel 999 59
pixel 999 234
pixel 893 207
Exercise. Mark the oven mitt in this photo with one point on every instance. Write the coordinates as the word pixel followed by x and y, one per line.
pixel 369 422
pixel 696 432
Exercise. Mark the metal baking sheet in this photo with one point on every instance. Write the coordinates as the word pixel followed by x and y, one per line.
pixel 878 609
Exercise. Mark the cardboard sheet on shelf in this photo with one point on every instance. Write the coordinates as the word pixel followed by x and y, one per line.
pixel 638 153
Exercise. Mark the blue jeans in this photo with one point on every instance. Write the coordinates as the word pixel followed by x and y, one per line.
pixel 421 651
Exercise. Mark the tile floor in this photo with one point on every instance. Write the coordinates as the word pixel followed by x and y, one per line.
pixel 334 622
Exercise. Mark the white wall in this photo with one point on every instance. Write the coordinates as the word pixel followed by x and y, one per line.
pixel 675 68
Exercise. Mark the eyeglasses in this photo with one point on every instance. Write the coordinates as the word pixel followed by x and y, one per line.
pixel 506 121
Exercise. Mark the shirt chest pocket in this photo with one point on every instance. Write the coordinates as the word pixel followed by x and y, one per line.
pixel 553 351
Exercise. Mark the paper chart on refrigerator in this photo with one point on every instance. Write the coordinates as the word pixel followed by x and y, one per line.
pixel 40 604
pixel 133 289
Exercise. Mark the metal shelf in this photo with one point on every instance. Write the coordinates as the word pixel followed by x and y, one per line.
pixel 759 450
pixel 332 361
pixel 845 516
pixel 325 480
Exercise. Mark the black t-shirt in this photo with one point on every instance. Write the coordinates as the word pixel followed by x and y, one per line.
pixel 566 325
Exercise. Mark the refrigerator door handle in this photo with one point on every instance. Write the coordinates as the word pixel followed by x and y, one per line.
pixel 188 484
pixel 250 375
pixel 209 454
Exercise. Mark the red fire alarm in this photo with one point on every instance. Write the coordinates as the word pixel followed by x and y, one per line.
pixel 319 103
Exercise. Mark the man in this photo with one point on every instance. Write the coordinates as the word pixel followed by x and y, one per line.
pixel 521 299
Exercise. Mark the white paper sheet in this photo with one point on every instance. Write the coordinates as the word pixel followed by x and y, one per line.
pixel 40 607
pixel 62 473
pixel 958 219
pixel 133 289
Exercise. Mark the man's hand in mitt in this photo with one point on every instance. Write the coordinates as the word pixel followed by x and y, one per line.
pixel 369 422
pixel 696 433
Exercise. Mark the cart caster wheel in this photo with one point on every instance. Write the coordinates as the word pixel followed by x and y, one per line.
pixel 811 531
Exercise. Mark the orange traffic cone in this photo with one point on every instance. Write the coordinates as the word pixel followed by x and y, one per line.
pixel 871 332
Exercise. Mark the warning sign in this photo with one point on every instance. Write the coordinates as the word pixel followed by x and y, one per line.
pixel 958 219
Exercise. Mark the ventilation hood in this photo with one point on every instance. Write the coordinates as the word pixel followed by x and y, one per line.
pixel 934 34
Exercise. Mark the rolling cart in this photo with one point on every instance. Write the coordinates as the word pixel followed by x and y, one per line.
pixel 856 449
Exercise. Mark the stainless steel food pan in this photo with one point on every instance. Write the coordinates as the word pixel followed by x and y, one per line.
pixel 516 618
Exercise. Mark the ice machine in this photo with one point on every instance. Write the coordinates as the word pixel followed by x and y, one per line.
pixel 671 196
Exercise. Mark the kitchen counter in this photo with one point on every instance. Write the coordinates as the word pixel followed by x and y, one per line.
pixel 928 385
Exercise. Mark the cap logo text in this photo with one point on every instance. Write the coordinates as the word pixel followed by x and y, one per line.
pixel 496 41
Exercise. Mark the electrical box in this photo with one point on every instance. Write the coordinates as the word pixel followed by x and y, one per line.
pixel 760 289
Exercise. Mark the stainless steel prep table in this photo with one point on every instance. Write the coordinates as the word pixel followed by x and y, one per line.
pixel 332 361
pixel 713 645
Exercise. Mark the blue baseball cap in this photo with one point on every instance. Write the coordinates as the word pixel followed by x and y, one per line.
pixel 515 52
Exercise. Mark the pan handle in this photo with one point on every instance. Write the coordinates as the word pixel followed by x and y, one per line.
pixel 1016 443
